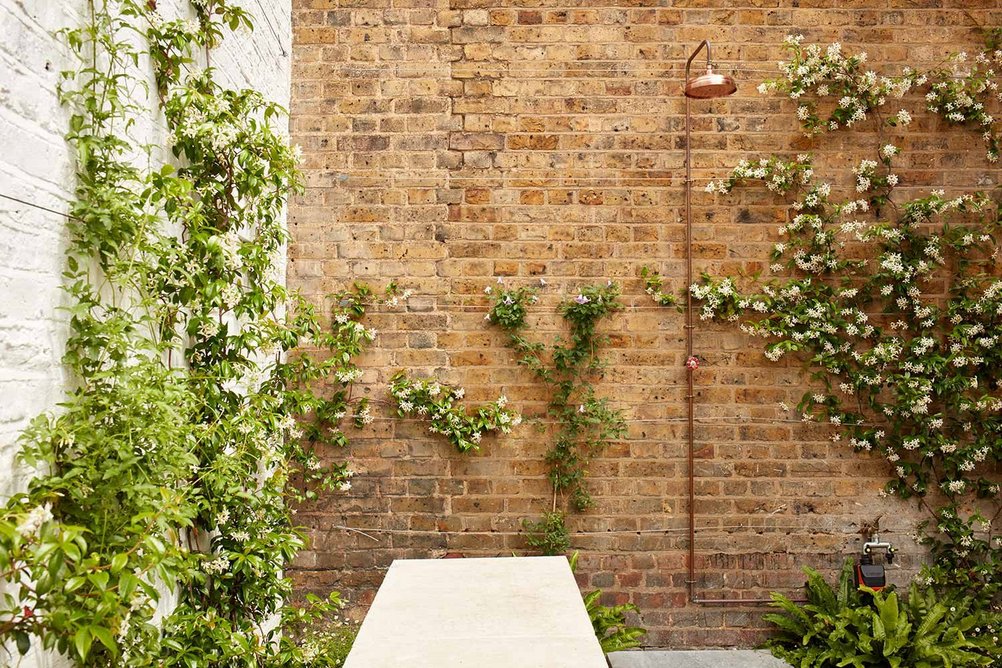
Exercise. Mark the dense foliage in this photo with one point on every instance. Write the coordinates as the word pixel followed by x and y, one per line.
pixel 156 530
pixel 863 628
pixel 893 304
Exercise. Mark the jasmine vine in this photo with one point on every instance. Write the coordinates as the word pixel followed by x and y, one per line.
pixel 167 469
pixel 436 402
pixel 895 305
pixel 960 92
pixel 585 421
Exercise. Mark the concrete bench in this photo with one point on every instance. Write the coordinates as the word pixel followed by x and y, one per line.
pixel 523 612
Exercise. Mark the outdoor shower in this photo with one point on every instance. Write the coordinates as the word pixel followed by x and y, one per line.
pixel 705 86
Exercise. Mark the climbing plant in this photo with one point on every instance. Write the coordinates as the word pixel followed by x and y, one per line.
pixel 585 423
pixel 163 480
pixel 431 400
pixel 893 303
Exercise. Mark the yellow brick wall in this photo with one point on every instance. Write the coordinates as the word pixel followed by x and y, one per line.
pixel 449 142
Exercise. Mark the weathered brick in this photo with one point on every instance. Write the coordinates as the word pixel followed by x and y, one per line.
pixel 456 142
pixel 475 141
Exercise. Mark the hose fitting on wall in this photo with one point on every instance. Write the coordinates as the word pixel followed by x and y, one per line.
pixel 870 567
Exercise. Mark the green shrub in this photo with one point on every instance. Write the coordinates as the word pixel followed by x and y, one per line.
pixel 328 648
pixel 548 535
pixel 864 628
pixel 316 636
pixel 609 622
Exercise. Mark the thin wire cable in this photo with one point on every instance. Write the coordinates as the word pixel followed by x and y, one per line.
pixel 447 179
pixel 736 422
pixel 530 421
pixel 625 66
pixel 39 207
pixel 599 532
pixel 266 13
pixel 472 308
pixel 667 530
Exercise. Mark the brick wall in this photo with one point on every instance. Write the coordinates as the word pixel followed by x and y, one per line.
pixel 449 142
pixel 36 165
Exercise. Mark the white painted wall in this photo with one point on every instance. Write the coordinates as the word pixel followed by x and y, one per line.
pixel 36 166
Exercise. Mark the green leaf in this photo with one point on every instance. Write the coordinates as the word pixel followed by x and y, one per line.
pixel 105 638
pixel 82 640
pixel 23 641
pixel 119 561
pixel 74 583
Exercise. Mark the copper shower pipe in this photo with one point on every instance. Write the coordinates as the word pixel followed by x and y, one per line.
pixel 706 86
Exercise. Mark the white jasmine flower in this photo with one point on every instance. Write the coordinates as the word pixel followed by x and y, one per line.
pixel 230 296
pixel 208 328
pixel 219 565
pixel 38 516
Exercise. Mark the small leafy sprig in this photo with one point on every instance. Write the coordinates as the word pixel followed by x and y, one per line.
pixel 654 287
pixel 429 399
pixel 548 534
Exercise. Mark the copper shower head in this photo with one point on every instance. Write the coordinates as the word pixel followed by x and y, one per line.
pixel 709 85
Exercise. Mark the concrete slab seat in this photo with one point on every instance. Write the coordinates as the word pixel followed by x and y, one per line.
pixel 520 612
pixel 707 658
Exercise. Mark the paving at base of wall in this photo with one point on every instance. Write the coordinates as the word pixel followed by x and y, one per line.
pixel 696 659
